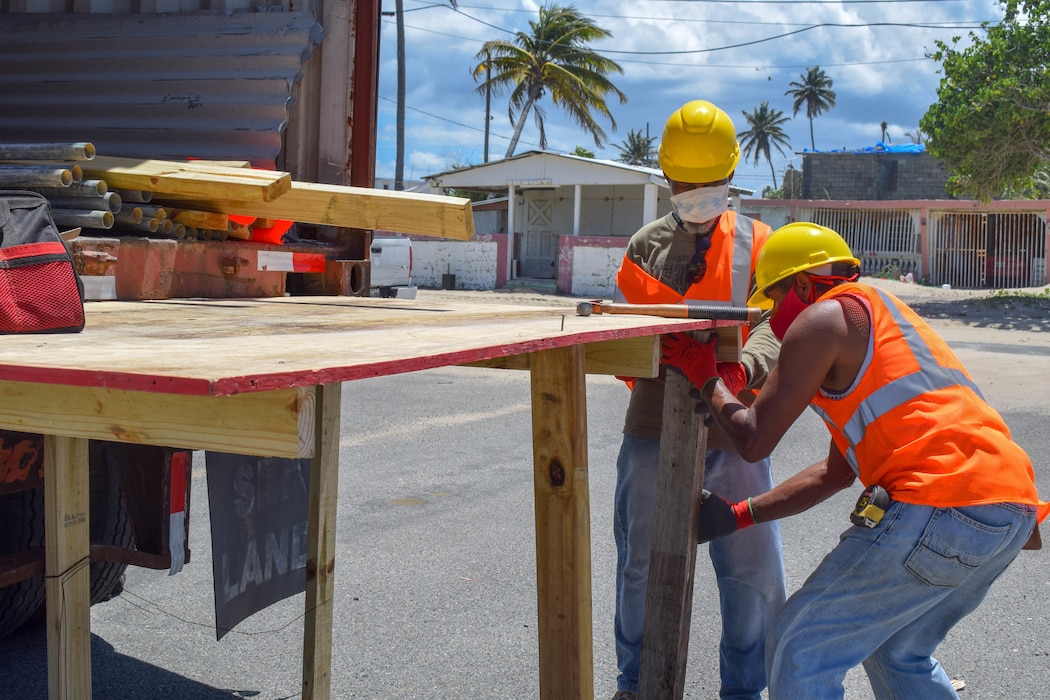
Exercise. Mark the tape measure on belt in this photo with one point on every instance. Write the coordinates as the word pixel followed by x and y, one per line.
pixel 871 506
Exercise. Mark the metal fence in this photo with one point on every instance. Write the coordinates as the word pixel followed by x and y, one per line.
pixel 887 241
pixel 996 250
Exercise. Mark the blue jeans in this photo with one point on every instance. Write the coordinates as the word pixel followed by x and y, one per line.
pixel 748 566
pixel 887 596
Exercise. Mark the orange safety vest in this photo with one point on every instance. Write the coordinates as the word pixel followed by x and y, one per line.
pixel 730 266
pixel 915 423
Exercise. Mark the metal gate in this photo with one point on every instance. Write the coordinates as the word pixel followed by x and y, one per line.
pixel 887 241
pixel 995 250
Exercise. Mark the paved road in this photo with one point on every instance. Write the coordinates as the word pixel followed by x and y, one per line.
pixel 435 592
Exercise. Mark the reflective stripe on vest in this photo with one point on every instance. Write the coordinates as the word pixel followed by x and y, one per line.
pixel 743 237
pixel 931 376
pixel 739 277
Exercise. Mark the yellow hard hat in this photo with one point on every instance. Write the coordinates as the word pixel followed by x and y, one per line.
pixel 795 248
pixel 699 144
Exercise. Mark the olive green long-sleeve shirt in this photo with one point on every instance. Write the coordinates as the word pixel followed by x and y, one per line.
pixel 663 249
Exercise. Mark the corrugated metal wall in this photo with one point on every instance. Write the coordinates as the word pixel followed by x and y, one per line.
pixel 208 85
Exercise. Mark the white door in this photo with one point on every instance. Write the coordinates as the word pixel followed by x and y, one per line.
pixel 539 244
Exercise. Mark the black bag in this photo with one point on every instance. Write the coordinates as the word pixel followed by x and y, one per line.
pixel 40 291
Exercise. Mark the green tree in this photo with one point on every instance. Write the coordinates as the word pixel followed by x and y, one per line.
pixel 814 91
pixel 766 132
pixel 583 152
pixel 990 125
pixel 553 57
pixel 637 149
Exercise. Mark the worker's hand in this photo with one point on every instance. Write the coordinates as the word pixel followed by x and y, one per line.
pixel 692 358
pixel 719 517
pixel 733 375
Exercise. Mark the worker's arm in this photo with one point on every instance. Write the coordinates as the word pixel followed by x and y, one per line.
pixel 801 492
pixel 759 354
pixel 812 485
pixel 812 346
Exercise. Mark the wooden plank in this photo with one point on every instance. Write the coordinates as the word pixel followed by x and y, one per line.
pixel 563 537
pixel 624 357
pixel 672 561
pixel 320 546
pixel 730 342
pixel 629 357
pixel 191 179
pixel 353 207
pixel 277 423
pixel 68 568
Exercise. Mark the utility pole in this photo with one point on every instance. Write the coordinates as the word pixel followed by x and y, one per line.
pixel 488 103
pixel 399 166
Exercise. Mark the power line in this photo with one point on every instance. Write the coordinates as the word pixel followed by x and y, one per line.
pixel 656 63
pixel 453 121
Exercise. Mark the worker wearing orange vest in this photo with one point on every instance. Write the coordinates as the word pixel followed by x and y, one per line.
pixel 949 501
pixel 699 251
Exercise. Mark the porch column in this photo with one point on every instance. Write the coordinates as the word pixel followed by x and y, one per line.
pixel 510 232
pixel 576 199
pixel 650 194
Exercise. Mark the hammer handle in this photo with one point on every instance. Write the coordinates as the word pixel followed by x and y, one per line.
pixel 711 312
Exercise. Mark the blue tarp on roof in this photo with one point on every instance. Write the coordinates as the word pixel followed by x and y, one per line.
pixel 879 147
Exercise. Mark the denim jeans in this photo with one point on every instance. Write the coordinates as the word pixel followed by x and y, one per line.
pixel 748 566
pixel 887 596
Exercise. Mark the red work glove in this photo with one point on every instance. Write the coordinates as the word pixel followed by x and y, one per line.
pixel 692 358
pixel 733 375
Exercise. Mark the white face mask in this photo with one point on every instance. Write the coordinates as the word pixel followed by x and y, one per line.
pixel 701 204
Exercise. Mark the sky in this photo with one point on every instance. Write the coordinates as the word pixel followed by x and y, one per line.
pixel 734 53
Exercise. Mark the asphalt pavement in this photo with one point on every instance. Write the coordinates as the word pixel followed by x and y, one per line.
pixel 435 570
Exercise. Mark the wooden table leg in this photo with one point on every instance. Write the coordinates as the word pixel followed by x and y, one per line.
pixel 563 530
pixel 672 561
pixel 320 548
pixel 67 568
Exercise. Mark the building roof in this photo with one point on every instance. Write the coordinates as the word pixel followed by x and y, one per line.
pixel 534 169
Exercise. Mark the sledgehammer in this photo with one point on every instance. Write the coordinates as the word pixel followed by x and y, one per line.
pixel 709 312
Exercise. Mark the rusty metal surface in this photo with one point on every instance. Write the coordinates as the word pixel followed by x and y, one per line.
pixel 21 461
pixel 154 268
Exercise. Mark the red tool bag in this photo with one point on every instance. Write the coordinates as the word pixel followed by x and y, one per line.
pixel 40 291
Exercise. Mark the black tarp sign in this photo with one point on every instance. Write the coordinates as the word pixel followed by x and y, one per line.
pixel 258 531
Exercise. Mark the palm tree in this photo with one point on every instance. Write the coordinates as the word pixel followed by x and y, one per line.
pixel 814 91
pixel 766 132
pixel 552 58
pixel 637 149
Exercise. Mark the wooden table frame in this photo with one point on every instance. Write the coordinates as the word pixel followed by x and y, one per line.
pixel 286 402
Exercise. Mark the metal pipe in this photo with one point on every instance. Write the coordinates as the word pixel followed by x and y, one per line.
pixel 47 151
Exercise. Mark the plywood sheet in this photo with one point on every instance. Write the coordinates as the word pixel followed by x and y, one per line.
pixel 232 346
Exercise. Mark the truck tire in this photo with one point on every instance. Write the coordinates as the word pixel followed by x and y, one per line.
pixel 21 527
pixel 109 524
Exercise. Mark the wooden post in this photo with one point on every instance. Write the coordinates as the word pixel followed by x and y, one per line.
pixel 67 567
pixel 563 530
pixel 320 547
pixel 672 562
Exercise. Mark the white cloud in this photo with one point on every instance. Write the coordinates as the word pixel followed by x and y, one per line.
pixel 873 68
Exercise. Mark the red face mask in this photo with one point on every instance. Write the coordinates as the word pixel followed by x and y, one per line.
pixel 788 310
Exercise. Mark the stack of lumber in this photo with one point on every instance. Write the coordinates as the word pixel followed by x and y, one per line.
pixel 129 196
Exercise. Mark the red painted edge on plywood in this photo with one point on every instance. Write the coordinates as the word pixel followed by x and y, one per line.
pixel 227 386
